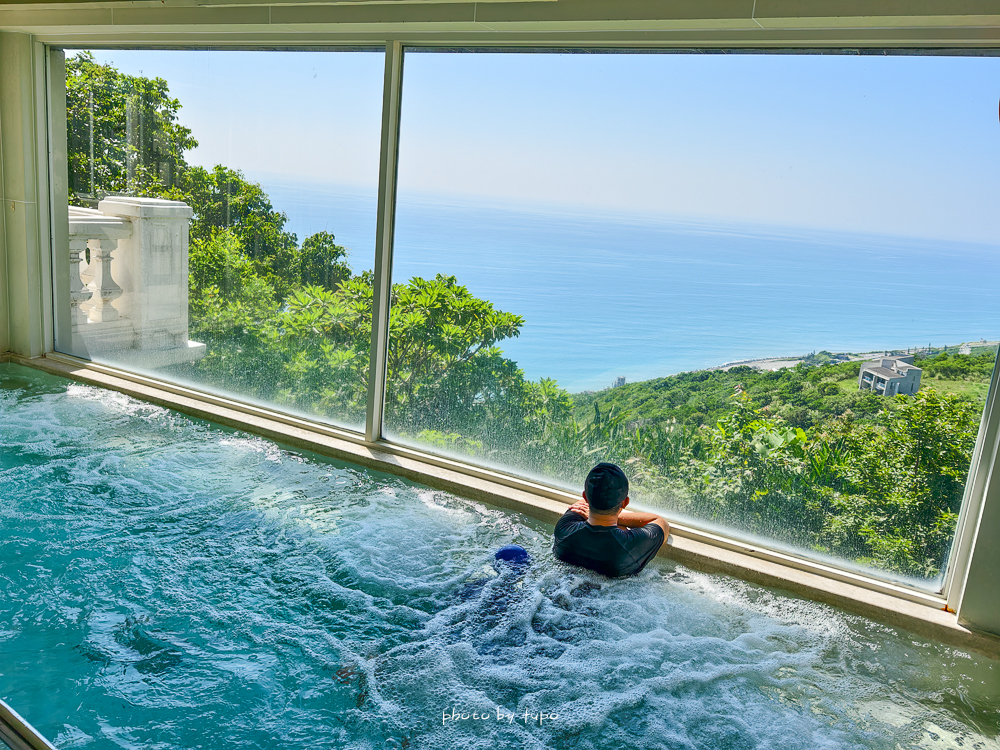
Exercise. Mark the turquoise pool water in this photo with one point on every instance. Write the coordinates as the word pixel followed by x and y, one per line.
pixel 165 583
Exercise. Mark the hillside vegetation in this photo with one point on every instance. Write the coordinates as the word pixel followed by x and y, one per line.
pixel 801 396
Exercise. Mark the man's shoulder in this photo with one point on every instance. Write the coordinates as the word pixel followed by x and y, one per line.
pixel 569 522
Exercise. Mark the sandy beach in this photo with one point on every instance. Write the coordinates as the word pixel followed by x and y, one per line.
pixel 780 363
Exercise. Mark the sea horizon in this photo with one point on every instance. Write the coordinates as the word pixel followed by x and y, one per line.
pixel 606 295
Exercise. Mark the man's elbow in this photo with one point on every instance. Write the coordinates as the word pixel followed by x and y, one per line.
pixel 663 524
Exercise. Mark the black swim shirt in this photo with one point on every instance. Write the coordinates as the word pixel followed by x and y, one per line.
pixel 611 550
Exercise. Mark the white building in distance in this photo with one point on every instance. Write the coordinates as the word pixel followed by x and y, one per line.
pixel 890 376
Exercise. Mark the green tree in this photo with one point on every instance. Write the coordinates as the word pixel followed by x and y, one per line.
pixel 322 261
pixel 122 133
pixel 224 199
pixel 123 138
pixel 232 311
pixel 435 326
pixel 903 480
pixel 958 366
pixel 218 261
pixel 756 475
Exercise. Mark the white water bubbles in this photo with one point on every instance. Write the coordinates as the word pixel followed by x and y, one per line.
pixel 171 583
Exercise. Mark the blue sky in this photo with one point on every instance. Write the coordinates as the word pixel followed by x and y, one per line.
pixel 896 145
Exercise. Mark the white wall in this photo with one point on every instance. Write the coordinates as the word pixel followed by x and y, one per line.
pixel 23 228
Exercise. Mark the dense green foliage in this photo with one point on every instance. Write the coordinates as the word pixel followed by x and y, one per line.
pixel 799 455
pixel 977 367
pixel 121 130
pixel 139 150
pixel 799 395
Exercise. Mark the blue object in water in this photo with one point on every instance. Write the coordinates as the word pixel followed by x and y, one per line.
pixel 514 555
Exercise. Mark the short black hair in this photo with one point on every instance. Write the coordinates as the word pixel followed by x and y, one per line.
pixel 606 487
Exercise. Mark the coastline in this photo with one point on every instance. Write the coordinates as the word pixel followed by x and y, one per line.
pixel 781 363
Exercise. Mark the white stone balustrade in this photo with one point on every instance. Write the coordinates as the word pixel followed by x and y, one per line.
pixel 90 229
pixel 129 302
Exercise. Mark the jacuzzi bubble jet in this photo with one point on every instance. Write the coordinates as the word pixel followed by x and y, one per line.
pixel 174 584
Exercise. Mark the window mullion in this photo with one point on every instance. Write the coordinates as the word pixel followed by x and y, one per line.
pixel 382 283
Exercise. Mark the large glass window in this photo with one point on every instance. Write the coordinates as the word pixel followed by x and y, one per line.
pixel 222 221
pixel 763 284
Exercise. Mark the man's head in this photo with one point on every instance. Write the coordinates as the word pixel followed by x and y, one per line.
pixel 606 489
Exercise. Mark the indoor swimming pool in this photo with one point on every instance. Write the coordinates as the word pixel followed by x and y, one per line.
pixel 167 583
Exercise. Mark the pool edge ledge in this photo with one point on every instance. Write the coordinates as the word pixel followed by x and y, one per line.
pixel 919 618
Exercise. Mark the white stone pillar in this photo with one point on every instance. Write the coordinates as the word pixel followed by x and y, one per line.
pixel 152 267
pixel 96 315
pixel 103 286
pixel 78 293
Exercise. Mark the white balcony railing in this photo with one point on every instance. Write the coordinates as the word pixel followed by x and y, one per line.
pixel 129 299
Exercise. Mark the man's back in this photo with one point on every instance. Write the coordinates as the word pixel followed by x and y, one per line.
pixel 611 550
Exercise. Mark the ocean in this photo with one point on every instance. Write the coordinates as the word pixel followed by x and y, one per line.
pixel 604 296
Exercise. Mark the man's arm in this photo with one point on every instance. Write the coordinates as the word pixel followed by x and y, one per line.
pixel 637 518
pixel 627 518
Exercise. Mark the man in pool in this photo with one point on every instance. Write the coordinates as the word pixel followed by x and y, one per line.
pixel 598 533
